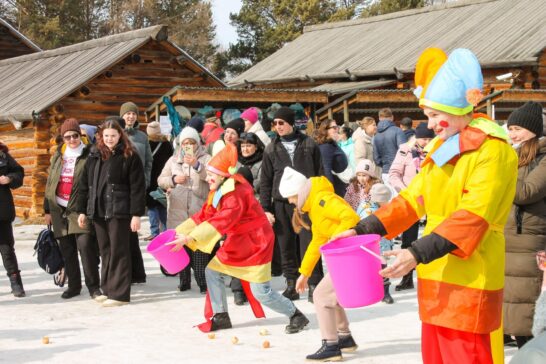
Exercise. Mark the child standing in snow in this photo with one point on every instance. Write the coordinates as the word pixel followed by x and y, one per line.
pixel 358 191
pixel 329 215
pixel 232 210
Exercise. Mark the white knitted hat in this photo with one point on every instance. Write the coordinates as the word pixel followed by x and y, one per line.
pixel 188 133
pixel 291 182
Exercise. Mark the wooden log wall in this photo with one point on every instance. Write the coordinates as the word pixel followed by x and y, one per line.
pixel 541 70
pixel 30 147
pixel 11 46
pixel 143 77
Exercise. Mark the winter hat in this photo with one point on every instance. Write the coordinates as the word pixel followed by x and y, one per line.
pixel 250 138
pixel 128 106
pixel 422 131
pixel 236 124
pixel 188 133
pixel 452 85
pixel 224 162
pixel 271 110
pixel 70 124
pixel 380 193
pixel 90 130
pixel 366 166
pixel 197 123
pixel 286 114
pixel 250 114
pixel 528 116
pixel 230 114
pixel 211 114
pixel 291 182
pixel 183 112
pixel 204 110
pixel 153 129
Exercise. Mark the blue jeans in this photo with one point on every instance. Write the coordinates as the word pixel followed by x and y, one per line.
pixel 262 291
pixel 157 215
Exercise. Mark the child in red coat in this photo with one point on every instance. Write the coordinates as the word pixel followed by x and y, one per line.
pixel 232 210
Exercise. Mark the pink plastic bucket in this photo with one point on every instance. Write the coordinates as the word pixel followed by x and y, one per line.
pixel 173 262
pixel 354 271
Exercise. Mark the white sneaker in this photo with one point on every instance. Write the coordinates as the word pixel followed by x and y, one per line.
pixel 101 298
pixel 113 303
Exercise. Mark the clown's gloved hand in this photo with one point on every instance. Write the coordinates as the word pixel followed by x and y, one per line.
pixel 370 225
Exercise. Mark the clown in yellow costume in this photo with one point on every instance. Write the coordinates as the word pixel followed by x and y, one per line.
pixel 465 188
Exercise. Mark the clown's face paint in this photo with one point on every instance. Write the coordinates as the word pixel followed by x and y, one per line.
pixel 445 125
pixel 214 180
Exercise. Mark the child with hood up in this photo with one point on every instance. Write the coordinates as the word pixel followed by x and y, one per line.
pixel 329 215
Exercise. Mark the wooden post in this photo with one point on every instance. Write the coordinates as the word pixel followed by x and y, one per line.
pixel 489 108
pixel 346 112
pixel 330 114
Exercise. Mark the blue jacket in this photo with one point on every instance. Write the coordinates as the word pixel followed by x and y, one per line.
pixel 385 144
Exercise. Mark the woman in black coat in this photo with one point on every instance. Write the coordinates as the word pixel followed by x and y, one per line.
pixel 333 157
pixel 113 197
pixel 11 177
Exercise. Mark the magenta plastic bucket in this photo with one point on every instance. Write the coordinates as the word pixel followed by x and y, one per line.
pixel 173 262
pixel 354 272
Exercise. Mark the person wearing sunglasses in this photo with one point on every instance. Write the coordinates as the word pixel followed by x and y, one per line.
pixel 291 148
pixel 334 159
pixel 62 188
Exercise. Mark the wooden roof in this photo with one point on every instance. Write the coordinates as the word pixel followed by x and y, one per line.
pixel 13 43
pixel 500 32
pixel 30 84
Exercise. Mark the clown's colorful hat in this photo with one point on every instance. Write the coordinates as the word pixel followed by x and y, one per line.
pixel 450 84
pixel 224 162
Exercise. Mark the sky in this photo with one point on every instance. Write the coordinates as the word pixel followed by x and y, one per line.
pixel 225 33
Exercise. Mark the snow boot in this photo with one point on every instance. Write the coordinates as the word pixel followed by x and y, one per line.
pixel 16 285
pixel 387 297
pixel 290 291
pixel 327 352
pixel 346 343
pixel 220 321
pixel 298 321
pixel 405 283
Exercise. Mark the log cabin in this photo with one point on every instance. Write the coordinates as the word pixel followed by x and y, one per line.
pixel 366 64
pixel 88 81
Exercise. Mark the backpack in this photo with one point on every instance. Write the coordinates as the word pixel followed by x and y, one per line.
pixel 48 252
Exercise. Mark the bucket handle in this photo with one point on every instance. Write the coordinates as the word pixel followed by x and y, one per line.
pixel 375 255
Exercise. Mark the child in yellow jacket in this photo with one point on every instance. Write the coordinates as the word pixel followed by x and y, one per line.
pixel 330 214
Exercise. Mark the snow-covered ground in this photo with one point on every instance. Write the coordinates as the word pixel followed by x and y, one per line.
pixel 157 327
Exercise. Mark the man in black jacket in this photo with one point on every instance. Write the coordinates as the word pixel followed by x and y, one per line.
pixel 294 149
